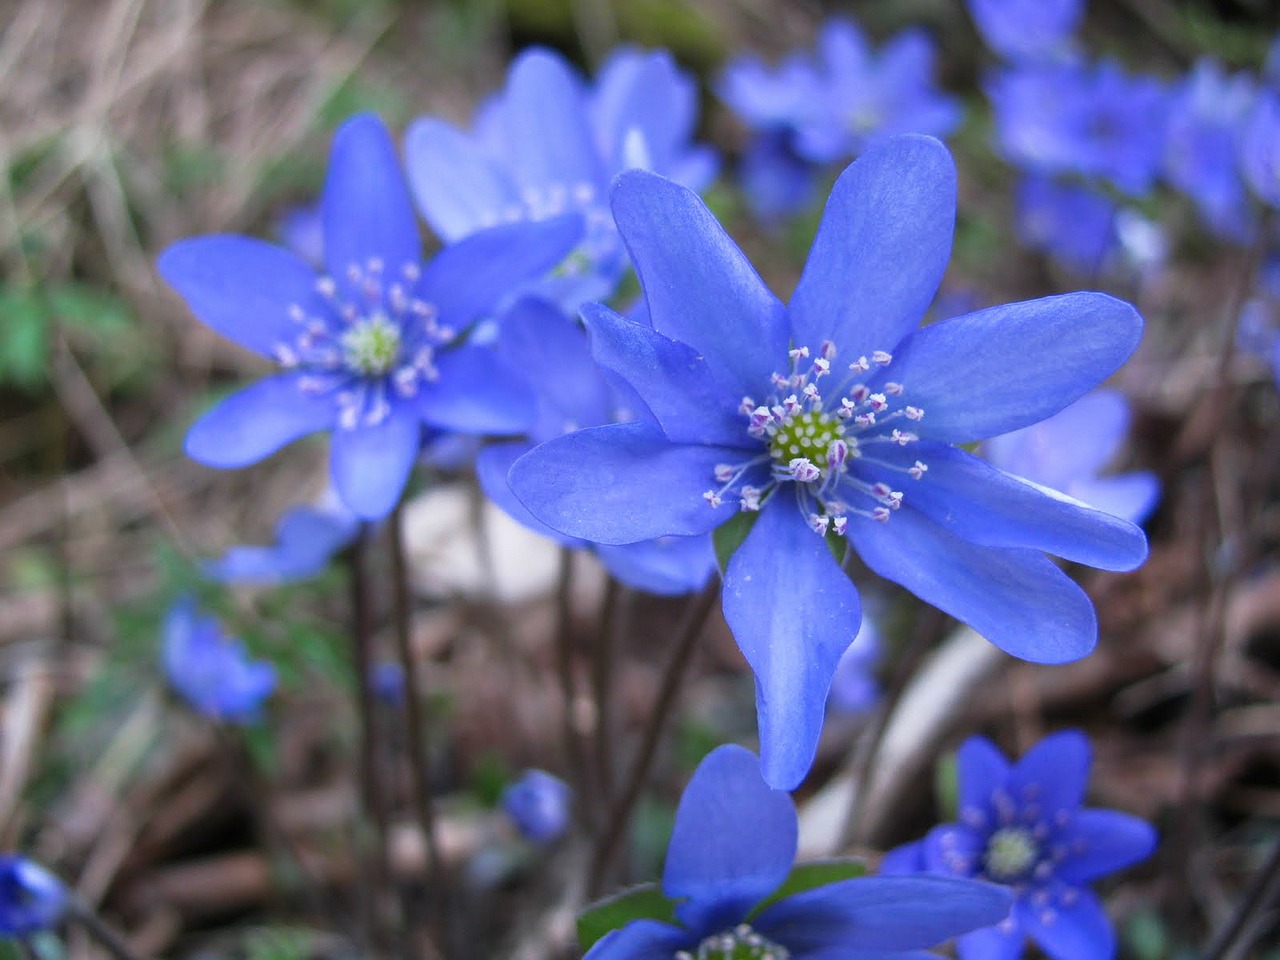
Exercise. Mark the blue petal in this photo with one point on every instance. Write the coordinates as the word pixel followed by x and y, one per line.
pixel 668 566
pixel 1078 930
pixel 459 188
pixel 691 403
pixel 1007 367
pixel 493 463
pixel 306 539
pixel 641 940
pixel 981 769
pixel 902 861
pixel 1130 496
pixel 1004 941
pixel 620 483
pixel 367 211
pixel 546 117
pixel 1099 842
pixel 954 849
pixel 469 279
pixel 1072 445
pixel 986 506
pixel 371 464
pixel 884 913
pixel 793 612
pixel 1053 773
pixel 257 421
pixel 476 393
pixel 854 953
pixel 733 842
pixel 242 288
pixel 700 288
pixel 1015 598
pixel 881 248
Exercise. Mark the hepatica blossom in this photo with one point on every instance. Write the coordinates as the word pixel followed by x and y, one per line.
pixel 1027 29
pixel 1068 451
pixel 834 421
pixel 549 144
pixel 538 804
pixel 732 847
pixel 1022 825
pixel 210 670
pixel 31 898
pixel 373 348
pixel 307 537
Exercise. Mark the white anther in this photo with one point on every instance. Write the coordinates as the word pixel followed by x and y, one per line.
pixel 821 367
pixel 893 389
pixel 837 453
pixel 750 498
pixel 917 470
pixel 882 357
pixel 914 413
pixel 902 438
pixel 724 472
pixel 828 350
pixel 802 470
pixel 859 366
pixel 798 352
pixel 712 498
pixel 818 523
pixel 840 524
pixel 879 403
pixel 880 515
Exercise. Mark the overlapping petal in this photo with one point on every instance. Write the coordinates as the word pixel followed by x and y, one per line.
pixel 1009 366
pixel 794 613
pixel 881 249
pixel 476 393
pixel 1016 598
pixel 458 186
pixel 667 566
pixel 1053 774
pixel 257 421
pixel 1001 942
pixel 1075 928
pixel 545 114
pixel 641 940
pixel 1101 841
pixel 708 860
pixel 599 484
pixel 493 463
pixel 700 288
pixel 980 768
pixel 371 463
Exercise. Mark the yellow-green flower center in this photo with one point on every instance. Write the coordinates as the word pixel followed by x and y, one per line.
pixel 808 435
pixel 372 346
pixel 1011 853
pixel 740 943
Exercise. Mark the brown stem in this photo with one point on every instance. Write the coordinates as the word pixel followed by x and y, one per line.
pixel 616 599
pixel 575 750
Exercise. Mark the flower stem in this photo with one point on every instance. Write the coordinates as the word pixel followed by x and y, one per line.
pixel 374 862
pixel 1239 934
pixel 107 938
pixel 416 719
pixel 695 616
pixel 575 752
pixel 617 604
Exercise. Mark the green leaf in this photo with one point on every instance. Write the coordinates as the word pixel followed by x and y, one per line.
pixel 946 786
pixel 24 337
pixel 729 535
pixel 645 902
pixel 810 876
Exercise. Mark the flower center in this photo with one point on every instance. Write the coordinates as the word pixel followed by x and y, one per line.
pixel 740 943
pixel 1011 853
pixel 835 445
pixel 372 346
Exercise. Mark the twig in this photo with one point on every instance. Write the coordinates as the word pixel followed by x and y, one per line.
pixel 575 751
pixel 690 629
pixel 1236 937
pixel 416 719
pixel 613 620
pixel 114 944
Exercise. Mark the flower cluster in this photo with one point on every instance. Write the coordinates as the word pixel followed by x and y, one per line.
pixel 812 111
pixel 1022 825
pixel 730 899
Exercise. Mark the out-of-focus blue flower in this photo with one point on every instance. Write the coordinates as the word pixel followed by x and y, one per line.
pixel 853 687
pixel 1022 825
pixel 1260 147
pixel 547 144
pixel 1206 111
pixel 573 392
pixel 1093 120
pixel 733 845
pixel 371 350
pixel 1067 451
pixel 835 416
pixel 31 898
pixel 538 804
pixel 1073 224
pixel 301 229
pixel 1027 29
pixel 830 107
pixel 210 670
pixel 1258 332
pixel 387 681
pixel 307 537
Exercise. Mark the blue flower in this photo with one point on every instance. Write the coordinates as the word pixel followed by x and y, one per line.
pixel 31 898
pixel 386 681
pixel 1073 224
pixel 1022 825
pixel 1067 451
pixel 1260 148
pixel 1027 29
pixel 853 686
pixel 538 804
pixel 547 144
pixel 211 671
pixel 733 845
pixel 835 417
pixel 1206 112
pixel 306 539
pixel 370 350
pixel 573 392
